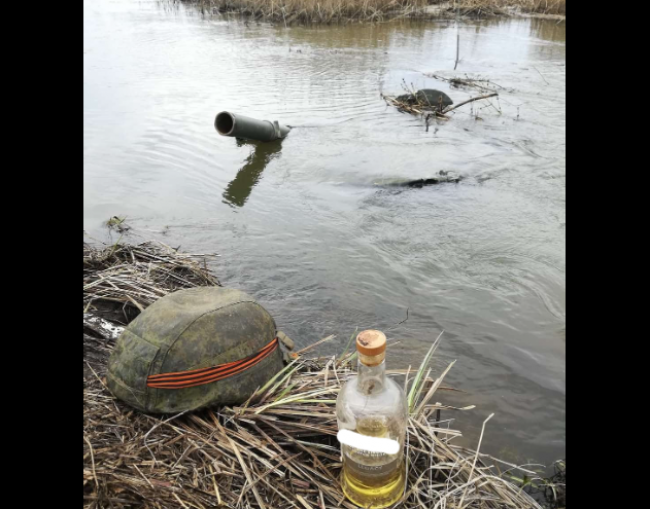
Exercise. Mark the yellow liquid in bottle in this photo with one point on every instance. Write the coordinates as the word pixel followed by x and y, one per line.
pixel 372 480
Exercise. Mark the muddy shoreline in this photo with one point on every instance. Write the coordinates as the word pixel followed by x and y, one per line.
pixel 248 456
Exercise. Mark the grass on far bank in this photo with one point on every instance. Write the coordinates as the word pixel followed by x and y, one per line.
pixel 333 11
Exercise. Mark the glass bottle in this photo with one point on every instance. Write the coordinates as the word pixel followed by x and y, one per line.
pixel 372 405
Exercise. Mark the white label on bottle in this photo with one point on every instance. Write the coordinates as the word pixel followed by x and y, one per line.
pixel 366 443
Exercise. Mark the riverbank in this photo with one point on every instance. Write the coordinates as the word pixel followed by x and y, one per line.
pixel 337 11
pixel 279 449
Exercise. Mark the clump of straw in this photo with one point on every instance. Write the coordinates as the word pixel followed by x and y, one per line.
pixel 122 279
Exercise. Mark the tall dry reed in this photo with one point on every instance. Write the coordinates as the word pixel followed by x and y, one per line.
pixel 329 11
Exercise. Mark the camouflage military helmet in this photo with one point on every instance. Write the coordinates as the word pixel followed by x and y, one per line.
pixel 193 348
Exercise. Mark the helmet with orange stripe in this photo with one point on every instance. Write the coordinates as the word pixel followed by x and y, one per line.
pixel 193 348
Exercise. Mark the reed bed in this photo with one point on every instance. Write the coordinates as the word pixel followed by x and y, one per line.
pixel 121 280
pixel 321 11
pixel 508 7
pixel 275 451
pixel 334 11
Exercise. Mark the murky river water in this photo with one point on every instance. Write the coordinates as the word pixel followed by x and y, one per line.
pixel 298 223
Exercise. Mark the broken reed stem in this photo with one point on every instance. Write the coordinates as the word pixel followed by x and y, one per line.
pixel 472 99
pixel 307 348
pixel 471 472
pixel 156 426
pixel 540 74
pixel 92 460
pixel 457 36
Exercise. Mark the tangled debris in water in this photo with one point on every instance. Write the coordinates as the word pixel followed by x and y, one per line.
pixel 441 177
pixel 410 103
pixel 426 98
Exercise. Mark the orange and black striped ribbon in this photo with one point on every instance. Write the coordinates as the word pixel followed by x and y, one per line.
pixel 194 377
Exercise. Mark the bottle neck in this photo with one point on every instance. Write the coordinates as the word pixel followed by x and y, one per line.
pixel 371 379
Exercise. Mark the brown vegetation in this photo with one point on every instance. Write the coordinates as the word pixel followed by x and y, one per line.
pixel 333 11
pixel 277 450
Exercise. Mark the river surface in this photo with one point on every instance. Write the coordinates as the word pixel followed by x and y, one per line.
pixel 299 224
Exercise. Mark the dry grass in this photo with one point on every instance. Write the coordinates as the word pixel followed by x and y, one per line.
pixel 321 11
pixel 506 7
pixel 333 11
pixel 542 6
pixel 277 450
pixel 121 280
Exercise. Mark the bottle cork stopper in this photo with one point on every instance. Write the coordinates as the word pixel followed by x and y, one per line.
pixel 371 342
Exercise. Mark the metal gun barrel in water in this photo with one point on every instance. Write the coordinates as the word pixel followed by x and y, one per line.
pixel 247 128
